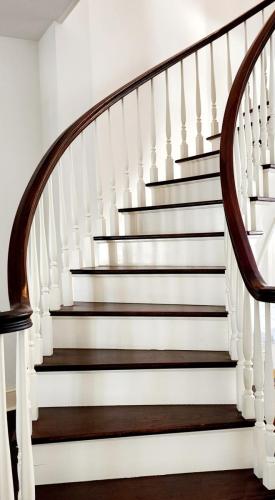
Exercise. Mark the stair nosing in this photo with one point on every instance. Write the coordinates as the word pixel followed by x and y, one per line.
pixel 184 179
pixel 262 199
pixel 149 270
pixel 213 234
pixel 199 156
pixel 171 206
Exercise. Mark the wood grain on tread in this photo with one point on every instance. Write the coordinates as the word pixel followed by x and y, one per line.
pixel 127 309
pixel 222 485
pixel 168 236
pixel 59 424
pixel 192 178
pixel 150 270
pixel 172 206
pixel 132 359
pixel 199 157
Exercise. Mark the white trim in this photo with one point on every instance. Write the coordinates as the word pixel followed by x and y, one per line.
pixel 11 399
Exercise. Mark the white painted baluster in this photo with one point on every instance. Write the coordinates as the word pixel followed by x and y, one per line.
pixel 127 195
pixel 46 320
pixel 66 278
pixel 88 246
pixel 245 52
pixel 248 409
pixel 214 123
pixel 184 145
pixel 35 296
pixel 258 370
pixel 265 61
pixel 101 222
pixel 6 483
pixel 169 162
pixel 239 318
pixel 229 65
pixel 31 339
pixel 153 166
pixel 271 123
pixel 23 424
pixel 269 405
pixel 76 262
pixel 243 163
pixel 232 265
pixel 256 139
pixel 114 223
pixel 263 112
pixel 199 137
pixel 55 297
pixel 249 146
pixel 141 198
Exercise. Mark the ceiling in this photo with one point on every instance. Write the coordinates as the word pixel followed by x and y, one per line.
pixel 29 19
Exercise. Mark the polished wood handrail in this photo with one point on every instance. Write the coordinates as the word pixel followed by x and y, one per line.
pixel 244 255
pixel 17 275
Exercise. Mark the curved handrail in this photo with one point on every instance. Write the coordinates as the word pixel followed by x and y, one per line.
pixel 244 255
pixel 17 275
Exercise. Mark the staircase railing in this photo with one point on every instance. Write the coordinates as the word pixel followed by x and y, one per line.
pixel 248 144
pixel 54 228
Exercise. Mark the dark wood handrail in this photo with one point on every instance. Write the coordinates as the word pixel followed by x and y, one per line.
pixel 17 275
pixel 244 255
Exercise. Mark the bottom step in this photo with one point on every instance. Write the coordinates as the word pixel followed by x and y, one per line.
pixel 224 485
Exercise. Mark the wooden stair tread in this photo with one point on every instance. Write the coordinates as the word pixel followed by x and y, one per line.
pixel 59 424
pixel 262 198
pixel 198 157
pixel 268 166
pixel 128 309
pixel 132 359
pixel 150 270
pixel 171 206
pixel 168 236
pixel 218 485
pixel 184 179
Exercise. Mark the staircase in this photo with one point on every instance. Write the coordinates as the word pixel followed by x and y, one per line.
pixel 147 369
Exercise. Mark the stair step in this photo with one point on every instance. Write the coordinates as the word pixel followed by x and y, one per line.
pixel 150 270
pixel 268 166
pixel 126 309
pixel 98 422
pixel 262 198
pixel 123 359
pixel 199 157
pixel 172 206
pixel 192 178
pixel 221 485
pixel 168 236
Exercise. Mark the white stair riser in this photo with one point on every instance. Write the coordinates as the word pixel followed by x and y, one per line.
pixel 147 288
pixel 208 189
pixel 208 218
pixel 141 333
pixel 162 252
pixel 143 456
pixel 137 387
pixel 201 166
pixel 215 143
pixel 262 215
pixel 269 182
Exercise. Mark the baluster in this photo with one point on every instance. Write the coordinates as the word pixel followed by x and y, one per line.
pixel 258 368
pixel 244 182
pixel 46 320
pixel 23 424
pixel 114 223
pixel 269 405
pixel 88 247
pixel 249 146
pixel 6 483
pixel 229 65
pixel 31 339
pixel 101 222
pixel 239 318
pixel 75 254
pixel 214 123
pixel 199 138
pixel 265 61
pixel 35 296
pixel 153 167
pixel 232 298
pixel 245 52
pixel 184 145
pixel 256 139
pixel 127 195
pixel 169 162
pixel 55 298
pixel 140 183
pixel 248 409
pixel 271 123
pixel 263 112
pixel 66 277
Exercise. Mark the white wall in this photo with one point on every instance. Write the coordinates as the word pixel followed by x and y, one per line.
pixel 20 147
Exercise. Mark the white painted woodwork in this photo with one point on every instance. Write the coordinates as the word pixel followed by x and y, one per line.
pixel 151 288
pixel 141 333
pixel 251 188
pixel 6 482
pixel 228 60
pixel 31 342
pixel 76 260
pixel 55 296
pixel 205 218
pixel 199 137
pixel 66 279
pixel 127 194
pixel 239 323
pixel 141 197
pixel 101 222
pixel 137 387
pixel 113 214
pixel 169 162
pixel 271 107
pixel 244 188
pixel 200 166
pixel 269 182
pixel 214 122
pixel 25 466
pixel 184 145
pixel 34 290
pixel 153 165
pixel 248 407
pixel 256 136
pixel 263 112
pixel 143 456
pixel 258 375
pixel 215 142
pixel 88 256
pixel 188 191
pixel 46 320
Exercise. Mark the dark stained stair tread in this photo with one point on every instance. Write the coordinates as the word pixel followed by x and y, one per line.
pixel 172 206
pixel 150 270
pixel 128 309
pixel 220 485
pixel 215 136
pixel 59 424
pixel 168 236
pixel 184 179
pixel 198 157
pixel 268 166
pixel 262 198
